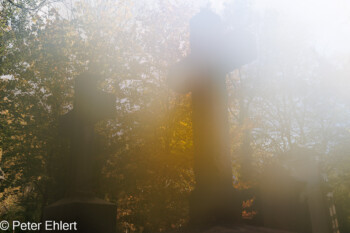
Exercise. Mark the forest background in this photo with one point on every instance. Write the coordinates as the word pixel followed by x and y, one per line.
pixel 296 94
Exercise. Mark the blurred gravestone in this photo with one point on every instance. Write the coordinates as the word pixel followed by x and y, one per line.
pixel 214 53
pixel 282 204
pixel 91 214
pixel 306 168
pixel 293 196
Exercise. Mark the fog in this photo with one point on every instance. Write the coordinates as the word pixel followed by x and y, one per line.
pixel 277 121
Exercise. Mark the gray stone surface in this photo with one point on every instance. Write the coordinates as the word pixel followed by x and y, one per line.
pixel 92 215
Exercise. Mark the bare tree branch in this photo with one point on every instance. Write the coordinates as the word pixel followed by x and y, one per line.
pixel 21 6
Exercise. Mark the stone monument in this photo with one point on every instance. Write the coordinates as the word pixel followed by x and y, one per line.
pixel 91 214
pixel 214 53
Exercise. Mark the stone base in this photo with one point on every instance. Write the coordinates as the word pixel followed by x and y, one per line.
pixel 231 229
pixel 92 215
pixel 214 207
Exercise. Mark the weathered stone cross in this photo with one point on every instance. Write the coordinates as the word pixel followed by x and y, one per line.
pixel 214 53
pixel 90 105
pixel 80 205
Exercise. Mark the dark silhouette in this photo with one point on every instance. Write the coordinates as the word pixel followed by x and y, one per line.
pixel 91 214
pixel 90 106
pixel 214 53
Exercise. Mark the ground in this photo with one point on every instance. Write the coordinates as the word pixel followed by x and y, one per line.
pixel 232 229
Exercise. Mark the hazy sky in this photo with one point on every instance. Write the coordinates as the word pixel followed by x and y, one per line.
pixel 328 21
